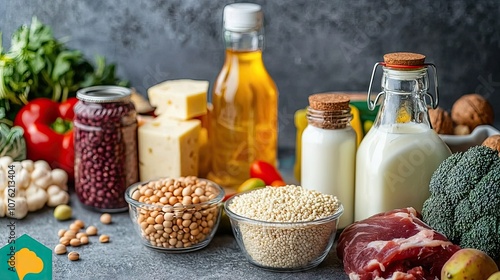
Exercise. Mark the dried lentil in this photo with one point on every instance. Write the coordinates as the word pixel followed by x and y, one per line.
pixel 293 246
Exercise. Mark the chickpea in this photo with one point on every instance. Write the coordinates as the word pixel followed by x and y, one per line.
pixel 60 249
pixel 91 230
pixel 61 232
pixel 79 223
pixel 106 218
pixel 64 240
pixel 70 234
pixel 104 238
pixel 84 240
pixel 73 256
pixel 74 227
pixel 75 242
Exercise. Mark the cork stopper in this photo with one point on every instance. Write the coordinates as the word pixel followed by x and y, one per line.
pixel 329 102
pixel 329 110
pixel 404 59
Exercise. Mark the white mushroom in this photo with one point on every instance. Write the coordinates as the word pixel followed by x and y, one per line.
pixel 5 162
pixel 36 198
pixel 41 177
pixel 57 196
pixel 22 178
pixel 28 186
pixel 60 178
pixel 42 164
pixel 28 164
pixel 3 179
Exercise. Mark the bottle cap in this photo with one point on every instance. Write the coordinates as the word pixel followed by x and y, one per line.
pixel 241 17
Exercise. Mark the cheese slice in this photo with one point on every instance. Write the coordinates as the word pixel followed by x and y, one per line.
pixel 168 148
pixel 179 99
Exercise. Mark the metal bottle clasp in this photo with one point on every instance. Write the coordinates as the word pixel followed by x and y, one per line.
pixel 434 101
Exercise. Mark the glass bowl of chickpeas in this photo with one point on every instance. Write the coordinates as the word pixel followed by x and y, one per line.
pixel 175 215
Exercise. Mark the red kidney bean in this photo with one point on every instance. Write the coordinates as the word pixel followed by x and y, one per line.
pixel 105 136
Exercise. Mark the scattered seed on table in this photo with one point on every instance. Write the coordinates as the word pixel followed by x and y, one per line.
pixel 73 256
pixel 104 238
pixel 84 240
pixel 64 241
pixel 75 242
pixel 60 249
pixel 91 230
pixel 106 218
pixel 79 223
pixel 61 232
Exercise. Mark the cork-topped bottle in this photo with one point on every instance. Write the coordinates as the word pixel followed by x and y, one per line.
pixel 329 150
pixel 396 159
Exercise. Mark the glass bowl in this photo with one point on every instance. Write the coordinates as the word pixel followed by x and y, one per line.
pixel 284 246
pixel 176 228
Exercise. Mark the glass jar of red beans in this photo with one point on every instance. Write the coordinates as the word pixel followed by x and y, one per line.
pixel 105 135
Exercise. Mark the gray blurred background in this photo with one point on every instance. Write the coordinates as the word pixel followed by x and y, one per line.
pixel 311 46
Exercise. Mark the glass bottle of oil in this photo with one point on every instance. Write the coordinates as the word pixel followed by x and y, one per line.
pixel 245 100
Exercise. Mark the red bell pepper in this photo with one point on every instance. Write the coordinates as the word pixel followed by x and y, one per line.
pixel 48 132
pixel 265 171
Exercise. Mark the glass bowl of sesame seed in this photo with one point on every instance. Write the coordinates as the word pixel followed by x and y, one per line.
pixel 285 228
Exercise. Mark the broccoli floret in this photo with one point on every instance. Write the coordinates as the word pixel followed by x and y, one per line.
pixel 483 236
pixel 464 204
pixel 464 218
pixel 441 173
pixel 468 172
pixel 486 195
pixel 443 220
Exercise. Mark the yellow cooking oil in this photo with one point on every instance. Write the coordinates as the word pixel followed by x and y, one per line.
pixel 245 117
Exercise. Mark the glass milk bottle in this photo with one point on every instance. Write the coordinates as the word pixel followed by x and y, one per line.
pixel 398 156
pixel 245 100
pixel 329 150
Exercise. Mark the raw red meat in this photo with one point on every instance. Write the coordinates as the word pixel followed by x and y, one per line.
pixel 393 245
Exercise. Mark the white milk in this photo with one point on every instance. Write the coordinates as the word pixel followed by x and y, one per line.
pixel 328 165
pixel 394 165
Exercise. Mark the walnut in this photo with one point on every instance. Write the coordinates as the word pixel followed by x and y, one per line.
pixel 441 121
pixel 472 110
pixel 493 142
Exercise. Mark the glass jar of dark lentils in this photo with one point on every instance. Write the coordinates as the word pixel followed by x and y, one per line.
pixel 105 132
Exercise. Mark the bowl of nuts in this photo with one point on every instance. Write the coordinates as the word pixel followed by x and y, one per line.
pixel 175 215
pixel 285 228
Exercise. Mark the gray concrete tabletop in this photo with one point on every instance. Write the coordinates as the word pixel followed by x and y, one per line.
pixel 124 257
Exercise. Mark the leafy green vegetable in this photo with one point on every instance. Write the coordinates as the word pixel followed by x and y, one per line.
pixel 39 65
pixel 12 142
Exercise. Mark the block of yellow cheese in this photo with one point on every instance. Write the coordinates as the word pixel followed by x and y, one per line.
pixel 179 99
pixel 168 148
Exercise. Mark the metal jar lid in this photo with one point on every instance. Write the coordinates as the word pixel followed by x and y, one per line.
pixel 104 94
